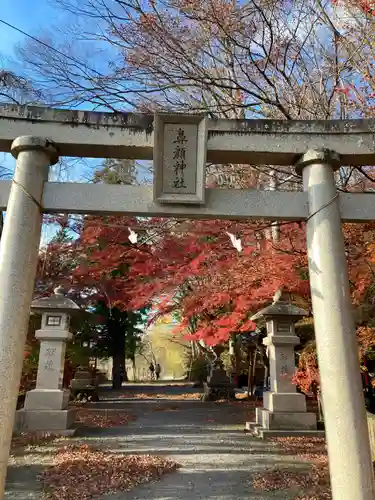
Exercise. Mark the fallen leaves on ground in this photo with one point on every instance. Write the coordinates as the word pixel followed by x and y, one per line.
pixel 150 395
pixel 305 447
pixel 81 471
pixel 26 439
pixel 103 418
pixel 280 479
pixel 314 482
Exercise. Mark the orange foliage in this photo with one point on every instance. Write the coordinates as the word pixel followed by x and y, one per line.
pixel 197 271
pixel 307 375
pixel 366 339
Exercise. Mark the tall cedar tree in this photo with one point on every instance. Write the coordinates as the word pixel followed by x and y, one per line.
pixel 118 334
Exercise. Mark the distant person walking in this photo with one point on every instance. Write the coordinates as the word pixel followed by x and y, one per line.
pixel 157 371
pixel 152 370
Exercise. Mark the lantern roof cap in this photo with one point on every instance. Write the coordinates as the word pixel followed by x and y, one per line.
pixel 280 307
pixel 57 302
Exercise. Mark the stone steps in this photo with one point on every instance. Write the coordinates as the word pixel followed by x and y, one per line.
pixel 262 433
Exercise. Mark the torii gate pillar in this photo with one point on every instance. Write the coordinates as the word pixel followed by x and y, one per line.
pixel 18 260
pixel 350 461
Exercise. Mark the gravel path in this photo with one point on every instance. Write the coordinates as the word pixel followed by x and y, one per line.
pixel 218 459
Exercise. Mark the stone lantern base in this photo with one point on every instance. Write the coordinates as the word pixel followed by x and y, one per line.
pixel 284 415
pixel 45 410
pixel 56 421
pixel 47 399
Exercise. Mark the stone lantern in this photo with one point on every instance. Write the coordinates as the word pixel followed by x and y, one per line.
pixel 46 407
pixel 284 410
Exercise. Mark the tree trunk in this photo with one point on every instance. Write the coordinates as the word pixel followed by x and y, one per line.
pixel 237 358
pixel 264 359
pixel 118 356
pixel 232 355
pixel 118 369
pixel 266 364
pixel 249 372
pixel 134 370
pixel 253 371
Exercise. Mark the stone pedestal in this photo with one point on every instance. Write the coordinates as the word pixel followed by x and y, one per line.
pixel 81 380
pixel 56 421
pixel 218 384
pixel 46 407
pixel 84 387
pixel 284 411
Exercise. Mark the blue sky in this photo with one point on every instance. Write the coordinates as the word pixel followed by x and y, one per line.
pixel 30 16
pixel 33 19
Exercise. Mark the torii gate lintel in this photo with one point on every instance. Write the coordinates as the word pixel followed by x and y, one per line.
pixel 94 134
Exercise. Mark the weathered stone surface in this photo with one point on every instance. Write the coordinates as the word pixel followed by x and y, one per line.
pixel 51 365
pixel 55 303
pixel 45 399
pixel 49 398
pixel 287 420
pixel 179 158
pixel 371 430
pixel 82 380
pixel 283 409
pixel 287 402
pixel 236 204
pixel 44 420
pixel 19 257
pixel 128 135
pixel 280 308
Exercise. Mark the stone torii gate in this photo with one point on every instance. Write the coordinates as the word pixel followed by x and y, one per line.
pixel 181 145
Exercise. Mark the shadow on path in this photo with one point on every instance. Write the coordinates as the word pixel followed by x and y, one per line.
pixel 218 460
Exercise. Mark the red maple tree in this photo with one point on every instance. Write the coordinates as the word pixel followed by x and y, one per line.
pixel 199 272
pixel 192 267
